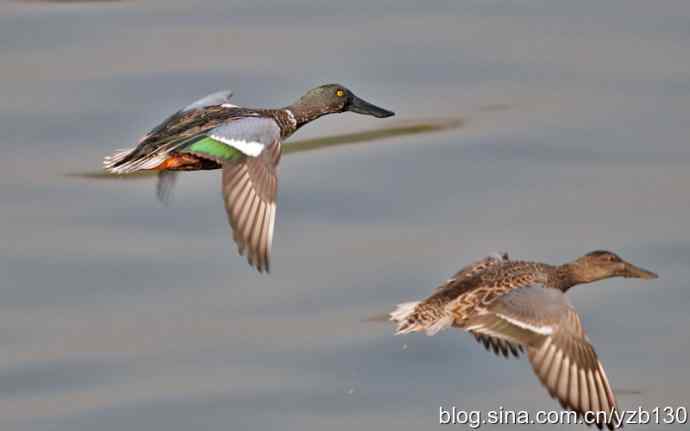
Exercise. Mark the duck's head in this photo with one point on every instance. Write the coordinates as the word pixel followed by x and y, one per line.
pixel 602 264
pixel 334 98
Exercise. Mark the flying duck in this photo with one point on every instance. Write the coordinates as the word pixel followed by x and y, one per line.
pixel 511 306
pixel 212 133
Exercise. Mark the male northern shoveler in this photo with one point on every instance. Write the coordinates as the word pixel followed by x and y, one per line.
pixel 211 133
pixel 513 305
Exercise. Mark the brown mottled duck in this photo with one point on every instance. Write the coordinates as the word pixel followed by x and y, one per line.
pixel 511 306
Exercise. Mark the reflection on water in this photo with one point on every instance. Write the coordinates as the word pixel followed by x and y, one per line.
pixel 117 313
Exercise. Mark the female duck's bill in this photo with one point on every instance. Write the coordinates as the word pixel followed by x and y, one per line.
pixel 632 271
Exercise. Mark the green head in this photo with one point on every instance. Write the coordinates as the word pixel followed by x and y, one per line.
pixel 334 98
pixel 602 264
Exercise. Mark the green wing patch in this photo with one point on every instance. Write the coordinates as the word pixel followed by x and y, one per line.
pixel 215 150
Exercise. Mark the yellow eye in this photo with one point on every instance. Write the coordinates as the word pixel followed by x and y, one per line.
pixel 339 93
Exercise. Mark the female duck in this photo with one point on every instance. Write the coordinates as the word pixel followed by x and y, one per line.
pixel 510 305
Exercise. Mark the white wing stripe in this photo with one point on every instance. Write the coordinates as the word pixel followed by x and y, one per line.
pixel 544 330
pixel 249 148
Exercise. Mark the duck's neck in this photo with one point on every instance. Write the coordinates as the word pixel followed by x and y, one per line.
pixel 566 276
pixel 304 114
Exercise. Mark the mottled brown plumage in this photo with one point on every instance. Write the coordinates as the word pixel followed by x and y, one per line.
pixel 513 305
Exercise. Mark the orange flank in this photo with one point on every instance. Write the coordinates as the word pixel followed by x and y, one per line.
pixel 178 162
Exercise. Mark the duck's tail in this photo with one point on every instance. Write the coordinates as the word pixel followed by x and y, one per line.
pixel 111 163
pixel 126 161
pixel 416 316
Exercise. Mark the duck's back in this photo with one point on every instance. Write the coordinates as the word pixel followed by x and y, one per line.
pixel 186 125
pixel 481 290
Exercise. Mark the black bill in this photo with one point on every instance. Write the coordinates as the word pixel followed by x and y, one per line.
pixel 361 107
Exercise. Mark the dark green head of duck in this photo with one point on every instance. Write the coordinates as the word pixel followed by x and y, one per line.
pixel 334 98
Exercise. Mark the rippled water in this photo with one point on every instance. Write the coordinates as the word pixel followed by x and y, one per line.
pixel 117 313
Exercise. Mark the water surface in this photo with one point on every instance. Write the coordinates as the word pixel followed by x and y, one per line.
pixel 117 313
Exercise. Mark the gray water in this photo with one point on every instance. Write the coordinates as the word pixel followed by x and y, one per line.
pixel 117 313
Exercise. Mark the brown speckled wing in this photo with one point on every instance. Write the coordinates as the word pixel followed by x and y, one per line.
pixel 561 355
pixel 475 268
pixel 249 191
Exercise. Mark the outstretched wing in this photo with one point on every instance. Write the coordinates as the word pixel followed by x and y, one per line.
pixel 250 181
pixel 543 320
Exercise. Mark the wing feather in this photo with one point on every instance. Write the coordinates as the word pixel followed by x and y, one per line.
pixel 249 188
pixel 543 320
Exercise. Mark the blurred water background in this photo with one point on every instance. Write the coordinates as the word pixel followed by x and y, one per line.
pixel 118 313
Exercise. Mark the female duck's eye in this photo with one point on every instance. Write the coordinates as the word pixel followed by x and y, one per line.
pixel 339 93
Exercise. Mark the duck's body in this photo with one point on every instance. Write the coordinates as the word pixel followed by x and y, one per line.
pixel 246 143
pixel 170 145
pixel 514 305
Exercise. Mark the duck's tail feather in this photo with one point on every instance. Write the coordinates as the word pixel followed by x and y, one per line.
pixel 125 161
pixel 111 162
pixel 408 320
pixel 402 316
